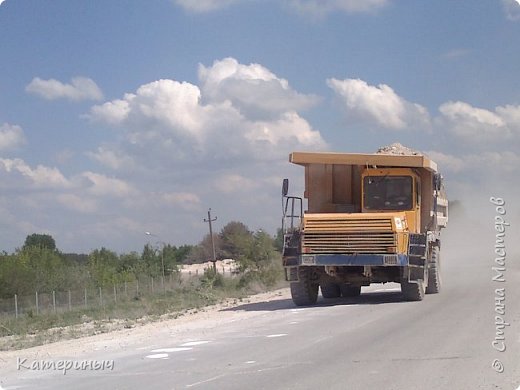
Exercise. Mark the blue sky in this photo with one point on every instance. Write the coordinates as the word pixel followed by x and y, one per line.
pixel 121 117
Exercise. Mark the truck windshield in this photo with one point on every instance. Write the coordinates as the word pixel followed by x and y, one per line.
pixel 388 192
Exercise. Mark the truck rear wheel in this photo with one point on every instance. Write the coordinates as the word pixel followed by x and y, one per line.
pixel 413 291
pixel 348 290
pixel 434 272
pixel 304 292
pixel 330 290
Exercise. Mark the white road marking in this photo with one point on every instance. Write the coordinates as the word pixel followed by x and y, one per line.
pixel 206 381
pixel 276 335
pixel 178 349
pixel 248 362
pixel 293 323
pixel 158 356
pixel 193 343
pixel 386 289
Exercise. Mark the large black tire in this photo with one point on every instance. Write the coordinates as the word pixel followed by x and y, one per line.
pixel 434 272
pixel 348 291
pixel 305 291
pixel 330 290
pixel 413 291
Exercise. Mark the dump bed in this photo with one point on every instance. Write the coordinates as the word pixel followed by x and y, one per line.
pixel 379 160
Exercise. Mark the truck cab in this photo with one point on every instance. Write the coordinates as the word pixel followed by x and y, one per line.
pixel 393 189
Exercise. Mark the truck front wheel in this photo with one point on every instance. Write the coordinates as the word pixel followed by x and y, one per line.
pixel 413 291
pixel 304 292
pixel 434 272
pixel 348 290
pixel 330 290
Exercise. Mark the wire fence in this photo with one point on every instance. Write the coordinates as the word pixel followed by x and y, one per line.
pixel 48 302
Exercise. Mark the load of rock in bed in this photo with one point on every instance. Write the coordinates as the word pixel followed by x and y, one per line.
pixel 398 149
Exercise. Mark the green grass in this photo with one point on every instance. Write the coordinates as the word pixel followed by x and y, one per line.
pixel 29 330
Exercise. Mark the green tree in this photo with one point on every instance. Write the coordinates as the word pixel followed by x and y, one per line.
pixel 15 277
pixel 204 251
pixel 170 258
pixel 278 240
pixel 40 241
pixel 262 262
pixel 47 268
pixel 182 253
pixel 103 266
pixel 129 262
pixel 151 259
pixel 236 240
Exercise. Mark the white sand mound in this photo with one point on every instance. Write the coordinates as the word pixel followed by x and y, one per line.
pixel 398 149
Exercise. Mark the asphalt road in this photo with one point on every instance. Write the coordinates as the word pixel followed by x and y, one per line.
pixel 376 341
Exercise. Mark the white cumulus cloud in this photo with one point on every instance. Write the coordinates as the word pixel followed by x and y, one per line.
pixel 113 112
pixel 11 137
pixel 79 88
pixel 200 6
pixel 231 183
pixel 101 185
pixel 379 105
pixel 113 159
pixel 489 163
pixel 323 7
pixel 512 9
pixel 314 8
pixel 477 124
pixel 186 200
pixel 78 203
pixel 239 113
pixel 39 177
pixel 253 89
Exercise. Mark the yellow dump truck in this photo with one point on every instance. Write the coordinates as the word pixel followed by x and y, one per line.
pixel 370 218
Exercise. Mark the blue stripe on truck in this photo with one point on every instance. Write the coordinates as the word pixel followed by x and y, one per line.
pixel 354 260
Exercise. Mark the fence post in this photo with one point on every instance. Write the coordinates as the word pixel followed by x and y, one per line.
pixel 125 290
pixel 70 301
pixel 85 297
pixel 15 306
pixel 152 284
pixel 37 304
pixel 100 297
pixel 54 301
pixel 115 294
pixel 137 287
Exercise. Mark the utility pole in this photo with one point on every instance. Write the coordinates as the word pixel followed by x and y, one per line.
pixel 209 220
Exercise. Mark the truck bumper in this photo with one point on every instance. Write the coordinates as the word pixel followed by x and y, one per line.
pixel 395 260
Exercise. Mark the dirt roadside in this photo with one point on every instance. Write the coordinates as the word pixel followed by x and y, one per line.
pixel 121 338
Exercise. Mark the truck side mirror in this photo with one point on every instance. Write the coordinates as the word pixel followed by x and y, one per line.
pixel 285 187
pixel 437 181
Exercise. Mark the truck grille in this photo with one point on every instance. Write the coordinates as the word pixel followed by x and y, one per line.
pixel 349 236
